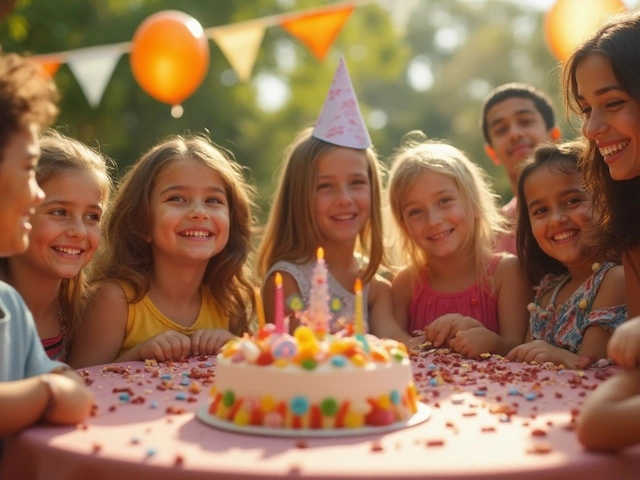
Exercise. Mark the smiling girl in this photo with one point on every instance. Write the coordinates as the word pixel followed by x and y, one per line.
pixel 172 281
pixel 580 297
pixel 453 285
pixel 65 236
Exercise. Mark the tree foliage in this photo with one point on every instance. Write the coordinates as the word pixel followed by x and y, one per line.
pixel 468 48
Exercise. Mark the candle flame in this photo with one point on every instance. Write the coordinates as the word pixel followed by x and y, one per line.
pixel 358 286
pixel 320 253
pixel 278 280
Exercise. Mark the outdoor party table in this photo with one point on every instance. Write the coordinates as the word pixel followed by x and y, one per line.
pixel 489 419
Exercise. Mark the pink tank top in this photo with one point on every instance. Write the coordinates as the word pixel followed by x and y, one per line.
pixel 428 304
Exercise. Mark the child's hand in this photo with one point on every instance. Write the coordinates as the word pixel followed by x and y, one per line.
pixel 473 342
pixel 169 345
pixel 444 328
pixel 209 341
pixel 73 400
pixel 540 351
pixel 624 345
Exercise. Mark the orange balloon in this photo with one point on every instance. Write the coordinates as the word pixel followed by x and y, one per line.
pixel 169 56
pixel 568 22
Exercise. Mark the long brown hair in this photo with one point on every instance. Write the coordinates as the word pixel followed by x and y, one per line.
pixel 128 257
pixel 291 233
pixel 616 225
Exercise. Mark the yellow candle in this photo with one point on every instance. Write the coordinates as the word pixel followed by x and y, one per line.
pixel 259 307
pixel 359 314
pixel 320 253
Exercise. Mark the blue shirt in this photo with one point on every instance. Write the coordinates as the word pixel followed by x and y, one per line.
pixel 21 352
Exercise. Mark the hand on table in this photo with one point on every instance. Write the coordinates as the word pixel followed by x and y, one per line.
pixel 72 400
pixel 540 352
pixel 473 342
pixel 443 329
pixel 624 346
pixel 169 345
pixel 209 341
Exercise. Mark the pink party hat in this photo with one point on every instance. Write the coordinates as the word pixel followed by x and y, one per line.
pixel 340 121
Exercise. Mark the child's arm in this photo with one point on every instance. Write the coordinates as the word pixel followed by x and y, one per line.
pixel 289 287
pixel 514 293
pixel 402 294
pixel 100 338
pixel 624 346
pixel 381 318
pixel 52 398
pixel 610 418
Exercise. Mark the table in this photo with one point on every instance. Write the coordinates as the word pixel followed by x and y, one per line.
pixel 490 420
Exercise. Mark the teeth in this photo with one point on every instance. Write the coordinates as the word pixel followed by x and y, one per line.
pixel 611 149
pixel 195 233
pixel 562 236
pixel 439 236
pixel 344 217
pixel 70 251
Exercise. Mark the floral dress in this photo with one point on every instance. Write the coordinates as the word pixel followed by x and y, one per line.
pixel 564 325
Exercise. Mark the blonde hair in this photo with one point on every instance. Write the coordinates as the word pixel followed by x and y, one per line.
pixel 417 156
pixel 291 233
pixel 128 258
pixel 62 155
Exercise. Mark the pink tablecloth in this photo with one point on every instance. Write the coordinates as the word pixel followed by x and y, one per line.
pixel 490 419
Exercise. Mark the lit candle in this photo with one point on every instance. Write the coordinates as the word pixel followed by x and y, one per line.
pixel 259 307
pixel 279 313
pixel 319 312
pixel 358 314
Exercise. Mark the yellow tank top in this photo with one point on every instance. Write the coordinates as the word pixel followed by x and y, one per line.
pixel 146 321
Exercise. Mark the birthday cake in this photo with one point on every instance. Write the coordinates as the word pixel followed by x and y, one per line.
pixel 299 381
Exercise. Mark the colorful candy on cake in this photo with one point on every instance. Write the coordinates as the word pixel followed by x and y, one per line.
pixel 313 379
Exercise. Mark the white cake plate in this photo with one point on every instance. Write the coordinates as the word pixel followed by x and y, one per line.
pixel 422 415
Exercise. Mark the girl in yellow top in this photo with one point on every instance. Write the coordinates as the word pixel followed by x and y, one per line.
pixel 171 280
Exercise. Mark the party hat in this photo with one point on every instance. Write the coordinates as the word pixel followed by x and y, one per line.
pixel 340 121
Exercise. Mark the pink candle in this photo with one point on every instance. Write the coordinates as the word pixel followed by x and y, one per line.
pixel 279 307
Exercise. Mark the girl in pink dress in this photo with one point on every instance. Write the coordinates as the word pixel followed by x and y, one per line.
pixel 453 286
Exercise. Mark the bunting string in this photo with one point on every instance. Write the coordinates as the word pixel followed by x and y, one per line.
pixel 316 28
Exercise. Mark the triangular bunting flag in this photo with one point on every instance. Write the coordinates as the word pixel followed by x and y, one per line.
pixel 240 45
pixel 48 64
pixel 319 30
pixel 93 70
pixel 340 121
pixel 400 12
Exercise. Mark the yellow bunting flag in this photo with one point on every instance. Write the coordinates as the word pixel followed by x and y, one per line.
pixel 318 30
pixel 240 44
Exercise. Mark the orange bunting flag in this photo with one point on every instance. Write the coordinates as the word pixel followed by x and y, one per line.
pixel 318 30
pixel 49 66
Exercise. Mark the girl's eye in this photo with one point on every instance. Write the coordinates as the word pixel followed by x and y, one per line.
pixel 539 211
pixel 215 200
pixel 572 202
pixel 614 103
pixel 175 198
pixel 445 200
pixel 58 212
pixel 93 217
pixel 585 111
pixel 324 186
pixel 360 181
pixel 413 212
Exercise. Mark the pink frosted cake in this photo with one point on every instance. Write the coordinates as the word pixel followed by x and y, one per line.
pixel 337 381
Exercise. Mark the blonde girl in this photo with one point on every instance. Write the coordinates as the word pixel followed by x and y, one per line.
pixel 172 279
pixel 453 286
pixel 50 275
